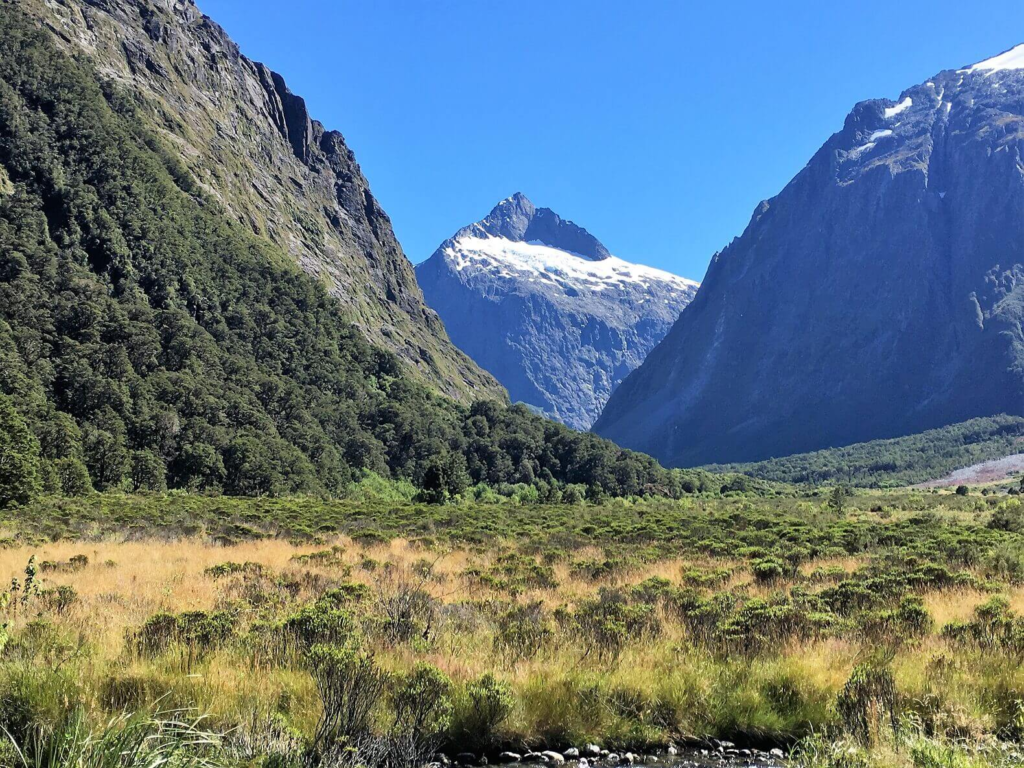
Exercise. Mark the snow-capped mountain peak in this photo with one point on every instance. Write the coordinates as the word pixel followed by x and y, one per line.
pixel 517 219
pixel 542 305
pixel 881 291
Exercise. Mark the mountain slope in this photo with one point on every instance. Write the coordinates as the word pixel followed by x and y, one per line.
pixel 541 304
pixel 251 144
pixel 879 294
pixel 149 340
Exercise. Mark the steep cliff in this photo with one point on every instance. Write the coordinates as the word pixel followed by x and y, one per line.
pixel 250 143
pixel 881 293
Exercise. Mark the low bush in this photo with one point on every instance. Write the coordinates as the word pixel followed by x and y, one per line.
pixel 349 685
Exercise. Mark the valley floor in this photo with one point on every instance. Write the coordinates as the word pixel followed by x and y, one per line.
pixel 882 629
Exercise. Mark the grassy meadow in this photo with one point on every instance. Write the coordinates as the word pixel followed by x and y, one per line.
pixel 873 629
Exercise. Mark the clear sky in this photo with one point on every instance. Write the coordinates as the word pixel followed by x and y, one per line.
pixel 657 125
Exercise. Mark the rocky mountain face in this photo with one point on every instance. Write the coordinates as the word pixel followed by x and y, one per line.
pixel 879 294
pixel 251 143
pixel 540 303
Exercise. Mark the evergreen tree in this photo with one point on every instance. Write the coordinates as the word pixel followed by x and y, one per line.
pixel 19 457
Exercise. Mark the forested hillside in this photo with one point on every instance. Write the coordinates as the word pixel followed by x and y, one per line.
pixel 252 145
pixel 899 461
pixel 150 340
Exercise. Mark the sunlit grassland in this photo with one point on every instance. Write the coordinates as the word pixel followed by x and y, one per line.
pixel 633 625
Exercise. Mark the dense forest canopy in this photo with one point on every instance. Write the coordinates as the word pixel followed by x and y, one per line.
pixel 147 342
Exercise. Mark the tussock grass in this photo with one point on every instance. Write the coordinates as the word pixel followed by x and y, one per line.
pixel 620 639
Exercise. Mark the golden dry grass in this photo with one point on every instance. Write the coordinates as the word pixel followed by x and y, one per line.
pixel 707 694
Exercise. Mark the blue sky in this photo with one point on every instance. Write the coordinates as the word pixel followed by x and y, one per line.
pixel 657 125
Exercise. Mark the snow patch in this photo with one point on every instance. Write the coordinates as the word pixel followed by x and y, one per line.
pixel 538 262
pixel 1011 59
pixel 880 135
pixel 904 105
pixel 858 151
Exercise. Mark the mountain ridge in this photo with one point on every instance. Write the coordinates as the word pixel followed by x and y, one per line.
pixel 517 218
pixel 540 303
pixel 876 295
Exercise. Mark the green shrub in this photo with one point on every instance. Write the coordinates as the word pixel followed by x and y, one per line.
pixel 221 570
pixel 325 558
pixel 349 685
pixel 59 599
pixel 994 628
pixel 768 570
pixel 1008 516
pixel 421 700
pixel 198 632
pixel 868 703
pixel 706 578
pixel 322 622
pixel 481 709
pixel 1006 561
pixel 652 591
pixel 607 623
pixel 521 632
pixel 404 611
pixel 908 621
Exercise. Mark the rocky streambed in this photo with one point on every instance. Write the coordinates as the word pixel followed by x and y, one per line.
pixel 717 754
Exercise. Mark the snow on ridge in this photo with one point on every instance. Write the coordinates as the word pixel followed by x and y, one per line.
pixel 880 135
pixel 904 105
pixel 542 263
pixel 1011 59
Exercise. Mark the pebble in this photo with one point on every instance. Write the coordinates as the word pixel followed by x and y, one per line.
pixel 592 750
pixel 571 754
pixel 553 757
